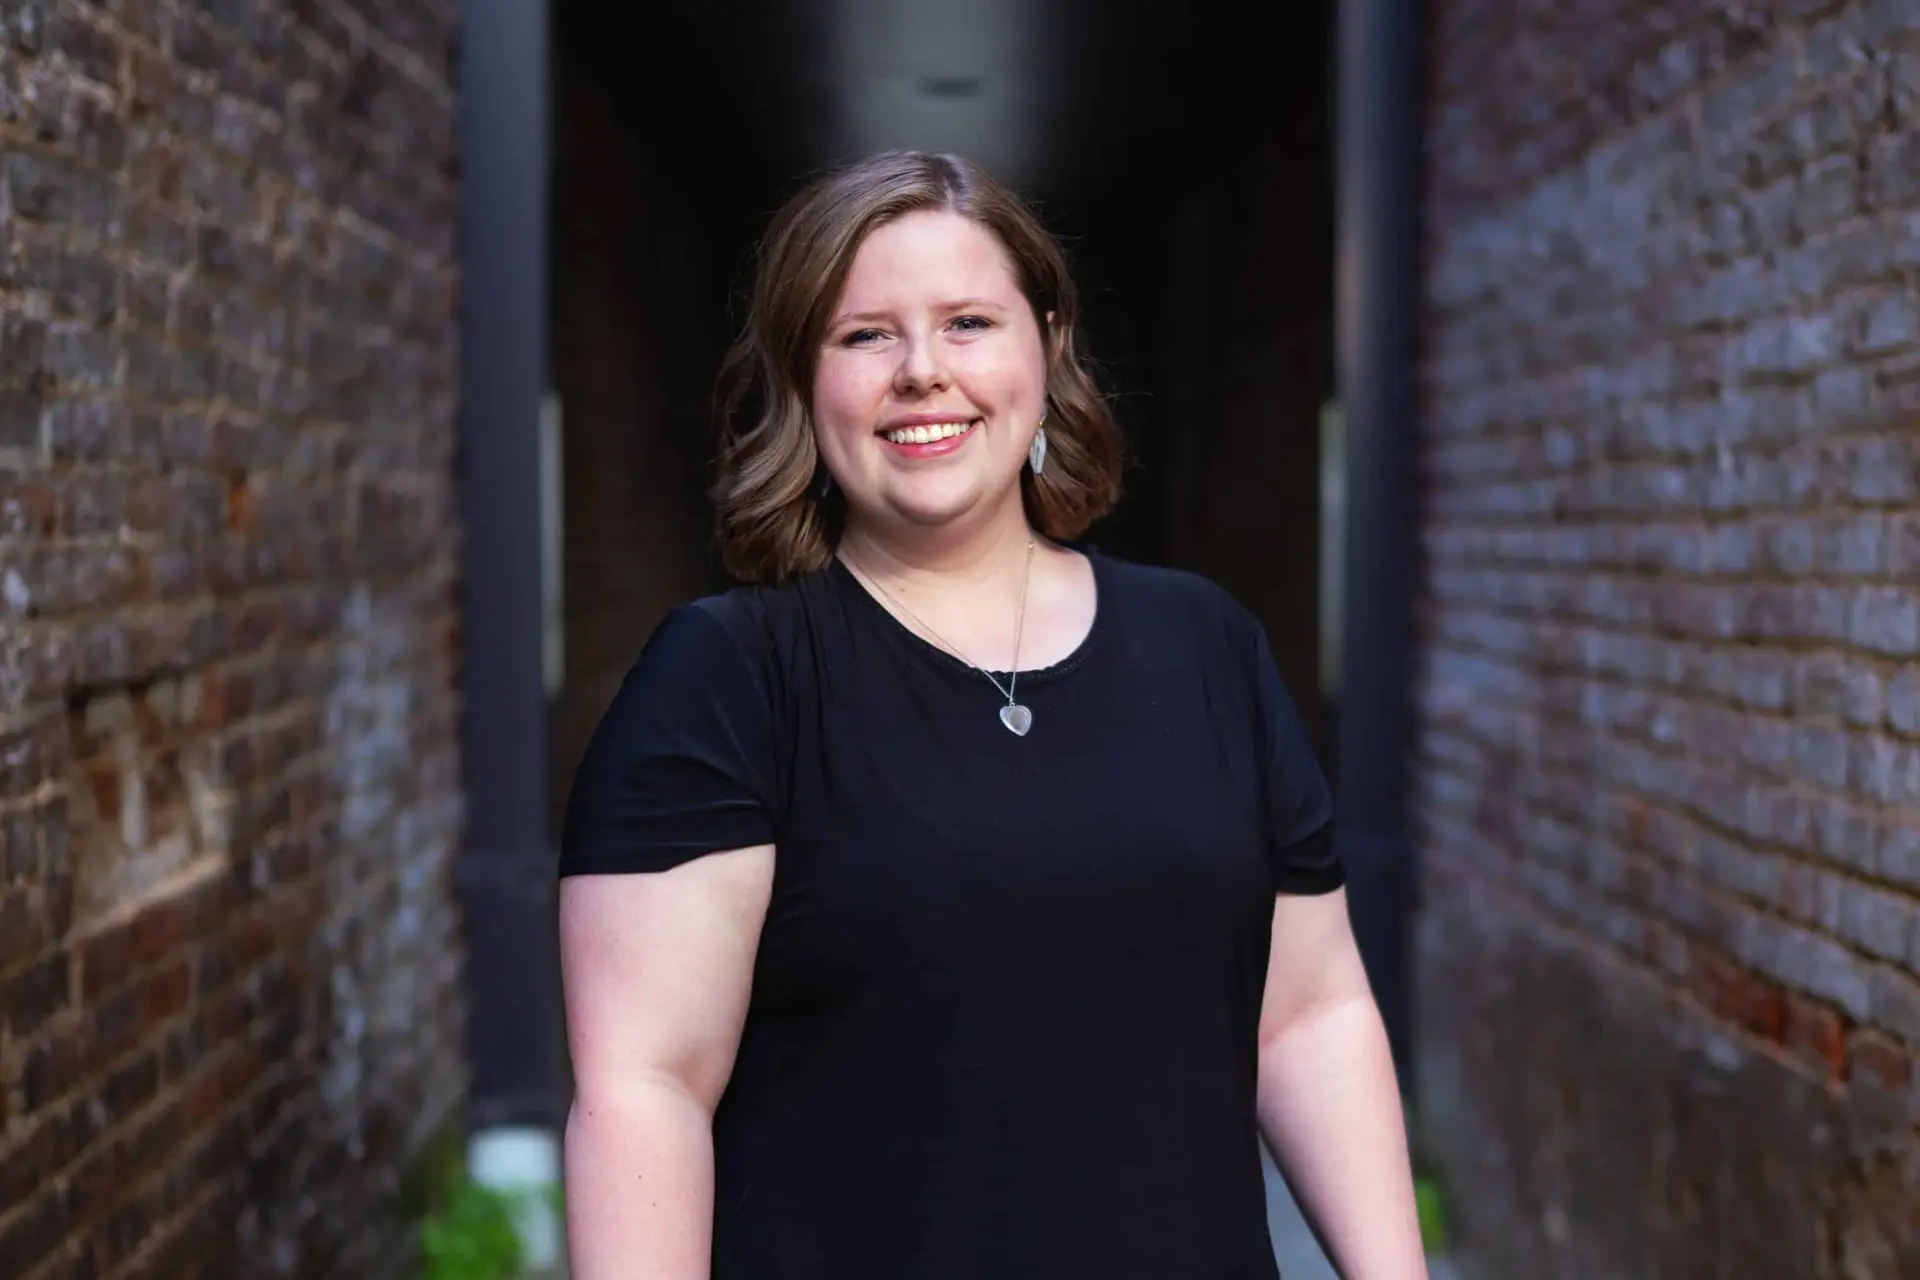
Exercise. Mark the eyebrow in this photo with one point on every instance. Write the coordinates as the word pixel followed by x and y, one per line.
pixel 960 304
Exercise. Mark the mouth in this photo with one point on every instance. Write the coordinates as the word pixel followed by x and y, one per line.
pixel 930 439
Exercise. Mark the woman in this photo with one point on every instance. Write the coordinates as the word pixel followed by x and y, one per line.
pixel 952 903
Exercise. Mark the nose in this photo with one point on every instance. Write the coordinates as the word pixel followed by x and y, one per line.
pixel 920 369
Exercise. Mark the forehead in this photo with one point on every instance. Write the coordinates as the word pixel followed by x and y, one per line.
pixel 929 256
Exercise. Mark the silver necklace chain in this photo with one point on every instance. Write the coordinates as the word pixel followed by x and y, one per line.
pixel 1019 626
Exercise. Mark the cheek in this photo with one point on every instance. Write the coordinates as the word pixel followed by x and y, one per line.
pixel 1005 377
pixel 845 393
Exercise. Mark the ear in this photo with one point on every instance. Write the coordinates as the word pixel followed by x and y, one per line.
pixel 1056 339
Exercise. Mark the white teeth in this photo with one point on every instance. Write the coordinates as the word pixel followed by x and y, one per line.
pixel 928 434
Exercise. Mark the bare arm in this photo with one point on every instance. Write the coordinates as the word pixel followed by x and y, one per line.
pixel 657 969
pixel 1329 1101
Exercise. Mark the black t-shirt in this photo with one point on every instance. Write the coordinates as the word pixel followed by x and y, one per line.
pixel 1003 1023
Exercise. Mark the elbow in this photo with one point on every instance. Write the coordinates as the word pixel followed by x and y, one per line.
pixel 642 1128
pixel 1305 1019
pixel 616 1099
pixel 652 1135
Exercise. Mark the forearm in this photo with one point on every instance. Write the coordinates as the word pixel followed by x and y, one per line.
pixel 639 1198
pixel 1330 1109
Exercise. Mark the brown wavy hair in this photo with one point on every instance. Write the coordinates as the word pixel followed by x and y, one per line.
pixel 773 522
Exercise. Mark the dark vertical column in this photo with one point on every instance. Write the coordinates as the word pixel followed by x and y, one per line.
pixel 1376 305
pixel 506 873
pixel 1188 351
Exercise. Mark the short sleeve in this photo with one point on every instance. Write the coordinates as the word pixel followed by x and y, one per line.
pixel 681 764
pixel 1298 805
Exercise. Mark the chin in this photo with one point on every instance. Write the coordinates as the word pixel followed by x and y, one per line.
pixel 931 506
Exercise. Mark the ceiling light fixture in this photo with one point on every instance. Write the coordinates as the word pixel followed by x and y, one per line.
pixel 950 86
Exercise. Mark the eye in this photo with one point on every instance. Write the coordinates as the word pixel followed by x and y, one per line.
pixel 971 324
pixel 860 337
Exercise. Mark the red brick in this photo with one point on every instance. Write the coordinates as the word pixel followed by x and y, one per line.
pixel 24 927
pixel 166 993
pixel 216 1153
pixel 1818 1036
pixel 218 1086
pixel 197 1242
pixel 34 1232
pixel 53 1063
pixel 1876 1056
pixel 29 505
pixel 118 1234
pixel 1765 1009
pixel 34 1151
pixel 1744 998
pixel 67 1263
pixel 97 1183
pixel 106 962
pixel 112 1013
pixel 34 994
pixel 161 929
pixel 213 700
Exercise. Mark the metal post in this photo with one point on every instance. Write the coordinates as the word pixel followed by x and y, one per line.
pixel 1377 284
pixel 506 872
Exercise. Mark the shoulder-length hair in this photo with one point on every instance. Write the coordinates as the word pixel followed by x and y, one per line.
pixel 773 521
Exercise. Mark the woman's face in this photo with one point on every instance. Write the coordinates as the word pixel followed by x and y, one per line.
pixel 933 374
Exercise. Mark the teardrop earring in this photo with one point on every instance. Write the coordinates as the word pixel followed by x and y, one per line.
pixel 1037 451
pixel 824 489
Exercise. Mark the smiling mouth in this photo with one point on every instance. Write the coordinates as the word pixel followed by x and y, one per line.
pixel 930 433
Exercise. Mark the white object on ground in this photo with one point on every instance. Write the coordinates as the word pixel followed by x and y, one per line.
pixel 524 1163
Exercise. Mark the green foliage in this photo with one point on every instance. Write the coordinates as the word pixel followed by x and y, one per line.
pixel 471 1236
pixel 1433 1225
pixel 1429 1196
pixel 438 1167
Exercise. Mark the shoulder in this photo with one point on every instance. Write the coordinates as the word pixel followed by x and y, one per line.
pixel 748 650
pixel 1179 617
pixel 712 668
pixel 711 634
pixel 750 625
pixel 1176 595
pixel 684 761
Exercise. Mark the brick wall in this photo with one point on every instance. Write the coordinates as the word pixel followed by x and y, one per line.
pixel 1670 698
pixel 228 791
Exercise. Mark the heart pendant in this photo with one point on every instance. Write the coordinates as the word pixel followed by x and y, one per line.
pixel 1017 718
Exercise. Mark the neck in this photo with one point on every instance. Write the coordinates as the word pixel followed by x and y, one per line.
pixel 985 554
